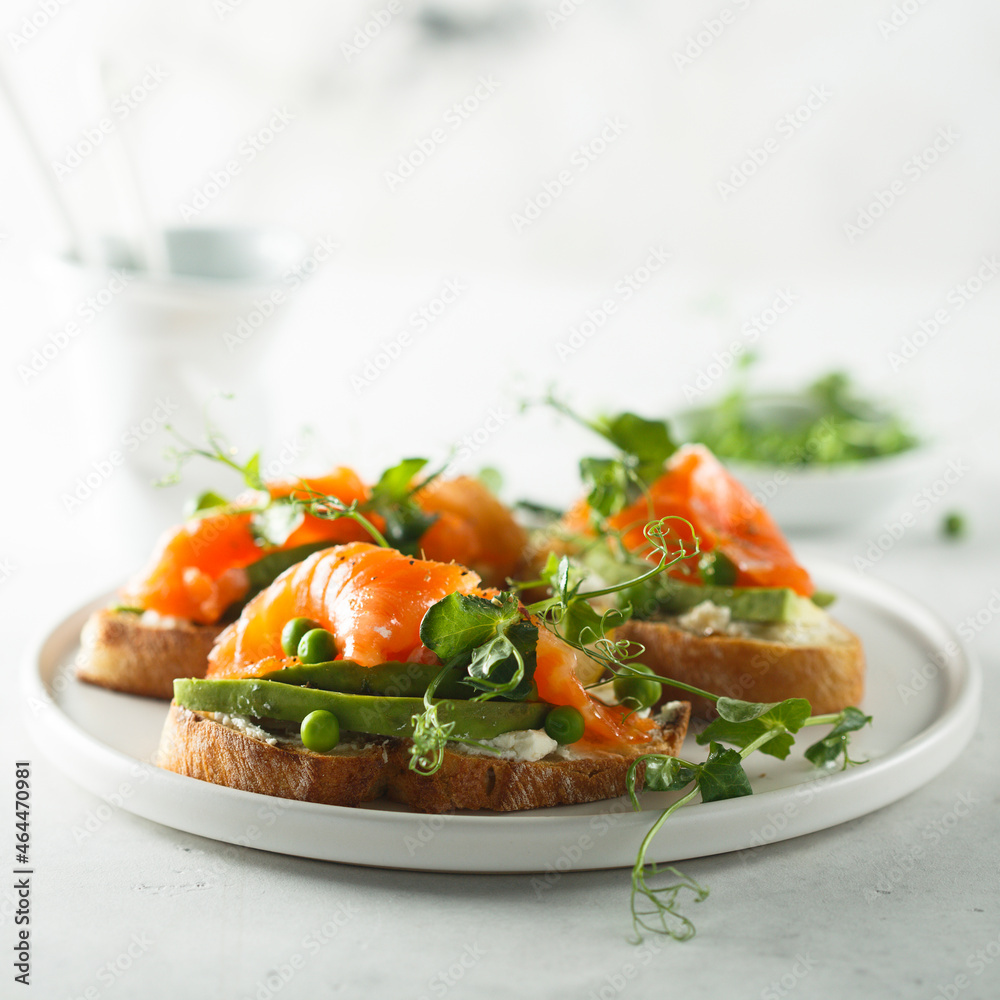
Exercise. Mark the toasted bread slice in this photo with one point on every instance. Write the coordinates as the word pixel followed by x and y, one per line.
pixel 824 663
pixel 192 743
pixel 241 756
pixel 139 655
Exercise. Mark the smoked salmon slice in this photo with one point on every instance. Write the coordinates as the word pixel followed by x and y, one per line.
pixel 724 516
pixel 473 527
pixel 373 600
pixel 197 569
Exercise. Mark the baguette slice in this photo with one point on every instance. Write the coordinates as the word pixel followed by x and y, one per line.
pixel 122 651
pixel 196 745
pixel 826 665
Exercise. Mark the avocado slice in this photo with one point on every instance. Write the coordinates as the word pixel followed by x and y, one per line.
pixel 399 680
pixel 474 720
pixel 748 604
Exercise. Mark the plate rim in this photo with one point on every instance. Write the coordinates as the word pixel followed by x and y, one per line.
pixel 938 744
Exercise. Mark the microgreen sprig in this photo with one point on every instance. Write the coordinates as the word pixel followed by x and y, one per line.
pixel 568 612
pixel 430 735
pixel 643 446
pixel 751 726
pixel 392 498
pixel 330 508
pixel 217 449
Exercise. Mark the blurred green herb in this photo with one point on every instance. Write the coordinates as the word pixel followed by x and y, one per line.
pixel 643 446
pixel 827 424
pixel 953 525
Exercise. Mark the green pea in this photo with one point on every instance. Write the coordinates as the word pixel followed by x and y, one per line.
pixel 320 731
pixel 634 690
pixel 291 634
pixel 317 646
pixel 953 525
pixel 564 724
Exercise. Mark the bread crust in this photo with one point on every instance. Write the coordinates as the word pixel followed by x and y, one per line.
pixel 831 674
pixel 119 652
pixel 199 747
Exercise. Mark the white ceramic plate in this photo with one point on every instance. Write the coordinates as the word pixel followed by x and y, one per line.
pixel 923 691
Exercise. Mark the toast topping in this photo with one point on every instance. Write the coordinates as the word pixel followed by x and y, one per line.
pixel 706 619
pixel 723 515
pixel 200 568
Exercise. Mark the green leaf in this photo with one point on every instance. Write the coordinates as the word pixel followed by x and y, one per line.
pixel 392 498
pixel 486 636
pixel 717 569
pixel 550 570
pixel 491 478
pixel 489 655
pixel 647 442
pixel 496 668
pixel 742 734
pixel 722 775
pixel 609 483
pixel 662 774
pixel 543 512
pixel 563 576
pixel 734 710
pixel 791 713
pixel 827 750
pixel 582 624
pixel 458 623
pixel 564 579
pixel 644 446
pixel 405 526
pixel 206 501
pixel 251 472
pixel 395 484
pixel 743 722
pixel 667 774
pixel 579 622
pixel 272 526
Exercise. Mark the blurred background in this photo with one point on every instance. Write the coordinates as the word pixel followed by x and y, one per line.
pixel 450 206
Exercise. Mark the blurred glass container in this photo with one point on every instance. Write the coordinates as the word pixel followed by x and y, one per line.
pixel 150 350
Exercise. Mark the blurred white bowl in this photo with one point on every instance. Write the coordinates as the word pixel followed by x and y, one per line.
pixel 826 497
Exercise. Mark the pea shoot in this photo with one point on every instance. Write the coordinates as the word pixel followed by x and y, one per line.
pixel 748 727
